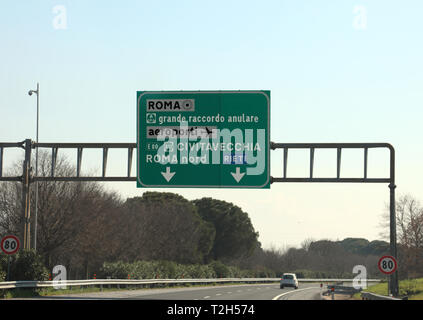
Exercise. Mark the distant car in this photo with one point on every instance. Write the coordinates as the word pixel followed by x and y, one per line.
pixel 289 280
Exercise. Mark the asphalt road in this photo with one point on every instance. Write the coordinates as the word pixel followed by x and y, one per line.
pixel 227 292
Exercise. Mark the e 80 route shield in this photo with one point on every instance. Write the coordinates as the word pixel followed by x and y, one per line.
pixel 216 139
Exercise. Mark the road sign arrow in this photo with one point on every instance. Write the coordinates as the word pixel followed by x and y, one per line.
pixel 168 175
pixel 237 175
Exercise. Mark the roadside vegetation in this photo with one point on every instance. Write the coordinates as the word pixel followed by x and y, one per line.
pixel 411 288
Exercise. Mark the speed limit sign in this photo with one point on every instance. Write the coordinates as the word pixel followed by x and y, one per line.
pixel 387 264
pixel 9 244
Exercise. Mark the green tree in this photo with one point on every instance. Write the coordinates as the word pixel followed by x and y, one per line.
pixel 166 226
pixel 235 234
pixel 378 248
pixel 355 245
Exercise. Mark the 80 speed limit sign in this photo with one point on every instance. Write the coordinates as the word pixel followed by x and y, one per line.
pixel 387 264
pixel 9 244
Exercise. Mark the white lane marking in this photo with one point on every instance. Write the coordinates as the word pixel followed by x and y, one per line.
pixel 228 292
pixel 206 297
pixel 297 290
pixel 218 294
pixel 239 291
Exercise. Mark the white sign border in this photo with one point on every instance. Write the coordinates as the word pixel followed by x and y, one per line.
pixel 203 186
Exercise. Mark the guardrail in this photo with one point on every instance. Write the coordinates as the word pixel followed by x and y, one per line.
pixel 127 282
pixel 374 296
pixel 149 282
pixel 343 289
pixel 338 281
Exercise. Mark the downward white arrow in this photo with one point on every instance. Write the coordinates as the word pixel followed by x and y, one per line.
pixel 238 175
pixel 168 175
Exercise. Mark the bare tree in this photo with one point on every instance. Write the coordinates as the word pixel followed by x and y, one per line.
pixel 75 219
pixel 10 208
pixel 306 243
pixel 409 221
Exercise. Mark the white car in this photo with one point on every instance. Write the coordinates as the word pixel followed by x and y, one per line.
pixel 289 280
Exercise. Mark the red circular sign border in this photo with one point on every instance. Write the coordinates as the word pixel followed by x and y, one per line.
pixel 7 237
pixel 393 259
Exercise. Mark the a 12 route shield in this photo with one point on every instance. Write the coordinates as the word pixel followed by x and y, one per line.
pixel 217 139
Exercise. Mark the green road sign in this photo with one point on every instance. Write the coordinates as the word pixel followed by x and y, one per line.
pixel 217 139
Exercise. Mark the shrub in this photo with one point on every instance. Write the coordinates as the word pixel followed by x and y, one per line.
pixel 2 275
pixel 263 272
pixel 25 265
pixel 115 270
pixel 146 270
pixel 172 270
pixel 221 270
pixel 167 269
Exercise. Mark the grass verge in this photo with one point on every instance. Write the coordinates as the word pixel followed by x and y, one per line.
pixel 411 288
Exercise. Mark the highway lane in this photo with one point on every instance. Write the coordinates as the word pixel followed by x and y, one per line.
pixel 227 292
pixel 303 293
